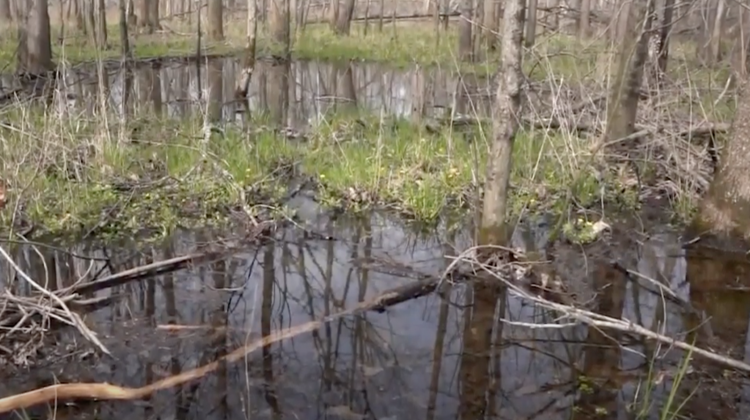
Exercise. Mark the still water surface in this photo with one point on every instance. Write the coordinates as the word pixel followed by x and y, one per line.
pixel 427 359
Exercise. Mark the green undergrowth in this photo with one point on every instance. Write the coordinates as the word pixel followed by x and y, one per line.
pixel 73 175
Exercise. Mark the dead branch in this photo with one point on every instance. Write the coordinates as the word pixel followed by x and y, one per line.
pixel 104 391
pixel 572 315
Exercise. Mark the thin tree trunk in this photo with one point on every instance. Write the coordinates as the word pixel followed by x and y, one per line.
pixel 35 47
pixel 583 19
pixel 248 65
pixel 724 209
pixel 5 14
pixel 531 23
pixel 344 18
pixel 215 20
pixel 622 105
pixel 504 127
pixel 464 31
pixel 101 33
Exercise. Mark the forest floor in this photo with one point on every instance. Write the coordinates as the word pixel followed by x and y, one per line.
pixel 355 160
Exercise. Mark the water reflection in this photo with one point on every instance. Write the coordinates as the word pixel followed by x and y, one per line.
pixel 429 358
pixel 296 93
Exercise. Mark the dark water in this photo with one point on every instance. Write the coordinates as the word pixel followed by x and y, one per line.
pixel 423 359
pixel 296 94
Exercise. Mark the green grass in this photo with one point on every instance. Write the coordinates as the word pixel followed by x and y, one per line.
pixel 72 176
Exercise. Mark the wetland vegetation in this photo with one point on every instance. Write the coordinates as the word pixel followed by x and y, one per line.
pixel 263 190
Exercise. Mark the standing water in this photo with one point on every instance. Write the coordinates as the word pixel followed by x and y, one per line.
pixel 430 358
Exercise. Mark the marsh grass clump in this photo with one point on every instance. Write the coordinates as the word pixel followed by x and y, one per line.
pixel 87 174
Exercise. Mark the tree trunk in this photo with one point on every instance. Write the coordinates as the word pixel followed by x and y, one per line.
pixel 132 20
pixel 101 24
pixel 215 76
pixel 279 22
pixel 153 16
pixel 622 105
pixel 124 37
pixel 716 29
pixel 248 65
pixel 143 13
pixel 725 208
pixel 35 46
pixel 215 20
pixel 464 31
pixel 583 19
pixel 334 13
pixel 90 17
pixel 344 18
pixel 490 24
pixel 504 127
pixel 664 31
pixel 531 24
pixel 5 16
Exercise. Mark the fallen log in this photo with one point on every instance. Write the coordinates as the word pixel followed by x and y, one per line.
pixel 104 391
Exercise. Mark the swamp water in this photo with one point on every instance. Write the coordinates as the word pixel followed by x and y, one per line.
pixel 419 359
pixel 295 94
pixel 429 358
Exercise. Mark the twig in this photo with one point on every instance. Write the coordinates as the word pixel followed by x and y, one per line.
pixel 76 320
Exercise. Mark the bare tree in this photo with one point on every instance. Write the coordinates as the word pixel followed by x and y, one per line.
pixel 123 24
pixel 622 105
pixel 215 20
pixel 716 30
pixel 724 208
pixel 35 47
pixel 279 23
pixel 101 24
pixel 142 13
pixel 248 65
pixel 5 16
pixel 583 19
pixel 531 23
pixel 90 16
pixel 344 18
pixel 504 127
pixel 132 19
pixel 334 13
pixel 490 24
pixel 153 16
pixel 465 31
pixel 664 30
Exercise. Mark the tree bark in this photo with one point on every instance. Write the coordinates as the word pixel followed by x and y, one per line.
pixel 622 104
pixel 35 47
pixel 531 24
pixel 583 19
pixel 664 31
pixel 725 208
pixel 465 30
pixel 279 22
pixel 215 20
pixel 153 16
pixel 344 18
pixel 101 24
pixel 5 15
pixel 490 24
pixel 505 117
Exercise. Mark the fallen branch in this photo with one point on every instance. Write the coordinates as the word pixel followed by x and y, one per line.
pixel 577 316
pixel 104 391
